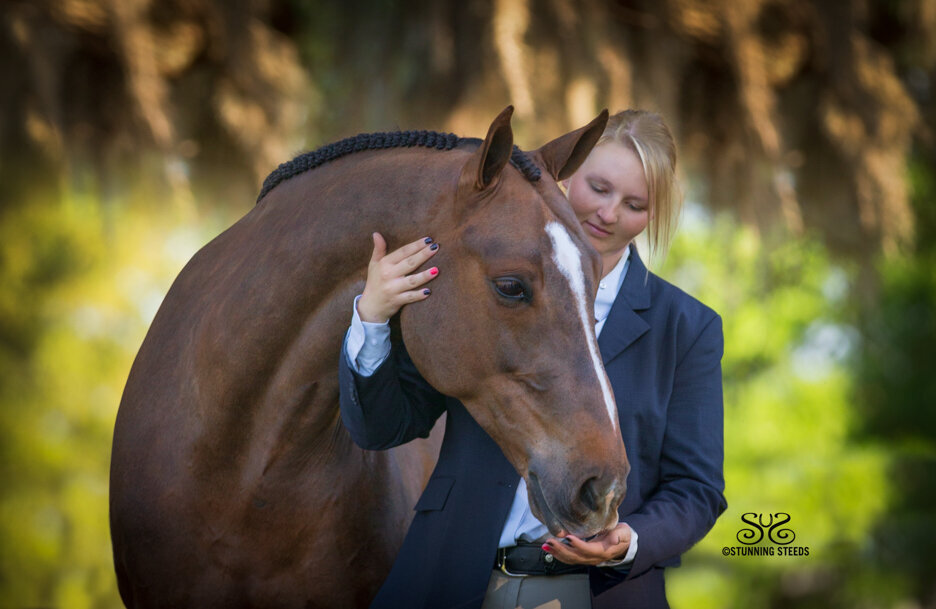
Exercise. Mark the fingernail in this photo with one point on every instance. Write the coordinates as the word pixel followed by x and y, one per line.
pixel 434 271
pixel 547 547
pixel 428 239
pixel 434 246
pixel 427 291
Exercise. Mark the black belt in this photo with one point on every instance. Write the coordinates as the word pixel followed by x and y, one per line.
pixel 532 560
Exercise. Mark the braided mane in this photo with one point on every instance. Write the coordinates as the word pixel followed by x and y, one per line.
pixel 378 141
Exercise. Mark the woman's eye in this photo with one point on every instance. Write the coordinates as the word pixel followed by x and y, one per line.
pixel 510 288
pixel 598 189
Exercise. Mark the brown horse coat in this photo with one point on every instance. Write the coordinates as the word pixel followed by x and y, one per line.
pixel 233 482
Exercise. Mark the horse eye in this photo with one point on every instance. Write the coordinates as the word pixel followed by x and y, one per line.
pixel 510 288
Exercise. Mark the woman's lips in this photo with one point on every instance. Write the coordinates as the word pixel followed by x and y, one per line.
pixel 595 230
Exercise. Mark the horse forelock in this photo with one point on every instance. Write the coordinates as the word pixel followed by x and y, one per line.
pixel 381 141
pixel 567 257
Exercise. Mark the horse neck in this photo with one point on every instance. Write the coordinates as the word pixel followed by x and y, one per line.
pixel 398 193
pixel 309 256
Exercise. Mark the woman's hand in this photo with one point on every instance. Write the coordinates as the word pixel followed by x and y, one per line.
pixel 389 286
pixel 610 545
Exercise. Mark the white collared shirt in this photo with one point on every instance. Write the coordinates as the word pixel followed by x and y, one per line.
pixel 608 288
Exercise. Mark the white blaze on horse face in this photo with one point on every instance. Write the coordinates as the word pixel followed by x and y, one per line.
pixel 568 259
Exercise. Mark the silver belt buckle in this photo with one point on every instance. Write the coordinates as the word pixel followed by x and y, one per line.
pixel 503 565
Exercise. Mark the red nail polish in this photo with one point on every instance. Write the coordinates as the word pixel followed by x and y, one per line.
pixel 434 271
pixel 547 547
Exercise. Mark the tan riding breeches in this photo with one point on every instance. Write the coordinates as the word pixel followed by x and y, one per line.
pixel 537 592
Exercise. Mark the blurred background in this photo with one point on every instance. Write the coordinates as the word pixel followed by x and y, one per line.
pixel 133 131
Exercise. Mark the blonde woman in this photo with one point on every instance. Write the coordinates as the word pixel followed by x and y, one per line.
pixel 662 352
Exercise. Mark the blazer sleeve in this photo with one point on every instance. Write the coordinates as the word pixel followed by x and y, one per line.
pixel 390 407
pixel 690 495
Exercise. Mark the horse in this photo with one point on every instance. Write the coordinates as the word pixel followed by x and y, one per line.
pixel 234 483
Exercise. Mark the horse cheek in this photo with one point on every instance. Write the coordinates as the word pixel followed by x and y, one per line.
pixel 430 334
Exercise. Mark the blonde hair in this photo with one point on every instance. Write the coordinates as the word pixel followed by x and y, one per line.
pixel 648 136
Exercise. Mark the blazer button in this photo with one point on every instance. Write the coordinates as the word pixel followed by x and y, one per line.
pixel 549 558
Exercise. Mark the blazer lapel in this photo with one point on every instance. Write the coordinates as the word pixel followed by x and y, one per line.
pixel 624 325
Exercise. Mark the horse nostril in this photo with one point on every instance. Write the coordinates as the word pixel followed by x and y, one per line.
pixel 589 495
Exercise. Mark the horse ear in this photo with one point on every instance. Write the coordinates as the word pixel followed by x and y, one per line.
pixel 496 149
pixel 563 155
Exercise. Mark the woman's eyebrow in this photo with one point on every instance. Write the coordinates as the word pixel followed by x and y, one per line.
pixel 598 178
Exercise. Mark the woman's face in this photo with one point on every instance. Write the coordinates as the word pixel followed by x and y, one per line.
pixel 610 197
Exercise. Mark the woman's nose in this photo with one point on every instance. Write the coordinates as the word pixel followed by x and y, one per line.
pixel 607 214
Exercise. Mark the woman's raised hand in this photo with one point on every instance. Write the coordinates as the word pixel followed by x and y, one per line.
pixel 389 285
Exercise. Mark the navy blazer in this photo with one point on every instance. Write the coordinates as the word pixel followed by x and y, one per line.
pixel 662 351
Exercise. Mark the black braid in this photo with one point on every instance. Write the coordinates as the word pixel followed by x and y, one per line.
pixel 524 165
pixel 378 141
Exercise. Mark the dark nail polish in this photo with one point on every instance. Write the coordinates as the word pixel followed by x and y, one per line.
pixel 428 239
pixel 434 246
pixel 427 291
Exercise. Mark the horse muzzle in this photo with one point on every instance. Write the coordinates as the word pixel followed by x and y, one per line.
pixel 581 505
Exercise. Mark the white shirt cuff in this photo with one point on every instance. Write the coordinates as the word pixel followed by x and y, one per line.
pixel 629 557
pixel 368 344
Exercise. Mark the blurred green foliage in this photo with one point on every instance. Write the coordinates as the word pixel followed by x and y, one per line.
pixel 79 289
pixel 897 388
pixel 789 340
pixel 57 409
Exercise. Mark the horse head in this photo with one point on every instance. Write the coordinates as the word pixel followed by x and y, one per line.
pixel 519 279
